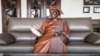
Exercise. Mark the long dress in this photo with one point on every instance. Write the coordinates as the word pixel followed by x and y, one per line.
pixel 48 43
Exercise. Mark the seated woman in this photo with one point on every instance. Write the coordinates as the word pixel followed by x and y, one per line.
pixel 55 32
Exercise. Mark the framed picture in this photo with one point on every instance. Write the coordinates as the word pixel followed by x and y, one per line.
pixel 96 9
pixel 86 9
pixel 91 2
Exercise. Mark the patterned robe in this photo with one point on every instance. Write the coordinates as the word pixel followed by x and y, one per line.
pixel 45 43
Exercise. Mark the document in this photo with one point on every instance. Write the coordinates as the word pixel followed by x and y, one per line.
pixel 35 31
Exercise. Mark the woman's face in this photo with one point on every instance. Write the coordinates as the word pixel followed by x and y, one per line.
pixel 54 13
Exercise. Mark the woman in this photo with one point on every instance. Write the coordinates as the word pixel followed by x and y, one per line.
pixel 55 32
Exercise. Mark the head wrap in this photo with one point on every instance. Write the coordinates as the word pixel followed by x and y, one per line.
pixel 56 8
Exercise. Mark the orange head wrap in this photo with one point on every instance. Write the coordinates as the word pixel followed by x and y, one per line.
pixel 56 8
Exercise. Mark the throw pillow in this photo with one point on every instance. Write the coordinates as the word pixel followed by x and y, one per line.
pixel 93 38
pixel 6 38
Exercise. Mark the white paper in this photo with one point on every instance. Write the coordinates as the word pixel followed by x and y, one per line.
pixel 36 32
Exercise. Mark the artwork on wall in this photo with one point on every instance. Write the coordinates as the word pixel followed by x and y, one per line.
pixel 96 9
pixel 87 6
pixel 86 9
pixel 91 2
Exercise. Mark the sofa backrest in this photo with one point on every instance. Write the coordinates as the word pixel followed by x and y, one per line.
pixel 80 28
pixel 20 28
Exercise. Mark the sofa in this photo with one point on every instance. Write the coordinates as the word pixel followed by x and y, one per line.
pixel 24 39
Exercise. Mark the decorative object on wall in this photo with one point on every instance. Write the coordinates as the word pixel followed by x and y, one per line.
pixel 91 2
pixel 96 9
pixel 86 9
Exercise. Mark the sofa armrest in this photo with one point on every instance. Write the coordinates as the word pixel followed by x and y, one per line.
pixel 93 38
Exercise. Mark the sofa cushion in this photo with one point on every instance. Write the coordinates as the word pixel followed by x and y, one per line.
pixel 19 47
pixel 79 27
pixel 23 37
pixel 78 36
pixel 73 48
pixel 82 48
pixel 80 24
pixel 24 24
pixel 93 38
pixel 6 38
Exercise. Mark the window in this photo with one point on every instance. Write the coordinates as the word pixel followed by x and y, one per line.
pixel 39 8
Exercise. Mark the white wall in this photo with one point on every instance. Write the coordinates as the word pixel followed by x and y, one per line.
pixel 23 8
pixel 0 18
pixel 74 8
pixel 71 8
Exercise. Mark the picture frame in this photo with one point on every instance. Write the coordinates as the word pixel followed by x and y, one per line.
pixel 91 2
pixel 86 9
pixel 96 9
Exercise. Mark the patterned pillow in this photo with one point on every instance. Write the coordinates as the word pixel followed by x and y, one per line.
pixel 93 38
pixel 6 38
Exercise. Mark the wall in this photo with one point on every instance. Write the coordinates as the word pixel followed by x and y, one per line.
pixel 74 8
pixel 23 8
pixel 71 8
pixel 0 18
